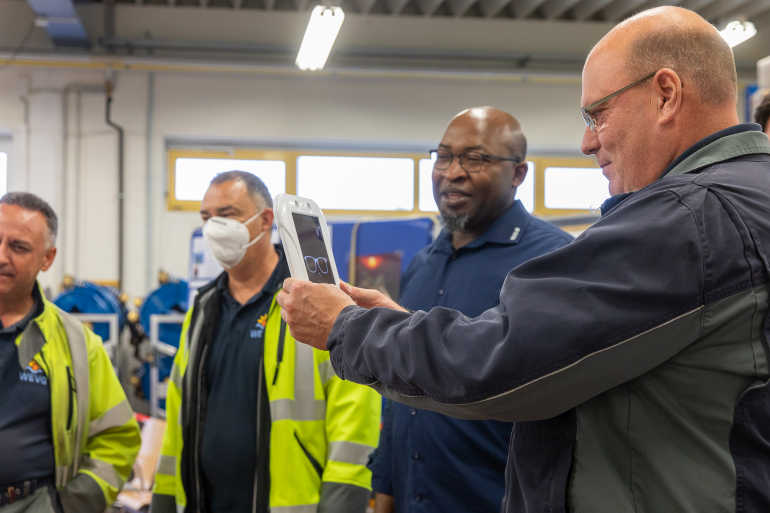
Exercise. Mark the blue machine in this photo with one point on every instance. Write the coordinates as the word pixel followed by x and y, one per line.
pixel 170 297
pixel 89 298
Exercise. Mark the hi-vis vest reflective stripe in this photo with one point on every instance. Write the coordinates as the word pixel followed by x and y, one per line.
pixel 88 475
pixel 322 428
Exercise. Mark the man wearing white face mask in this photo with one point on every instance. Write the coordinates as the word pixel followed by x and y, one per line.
pixel 257 422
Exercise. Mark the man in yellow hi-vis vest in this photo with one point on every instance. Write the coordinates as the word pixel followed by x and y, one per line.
pixel 67 433
pixel 257 422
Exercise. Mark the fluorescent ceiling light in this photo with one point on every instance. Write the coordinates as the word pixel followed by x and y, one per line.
pixel 736 32
pixel 322 30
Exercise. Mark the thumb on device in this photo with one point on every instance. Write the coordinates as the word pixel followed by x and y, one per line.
pixel 369 298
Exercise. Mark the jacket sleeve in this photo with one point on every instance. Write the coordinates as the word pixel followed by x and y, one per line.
pixel 112 442
pixel 624 297
pixel 352 431
pixel 166 488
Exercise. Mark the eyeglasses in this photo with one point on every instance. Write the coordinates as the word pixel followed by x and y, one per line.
pixel 470 161
pixel 317 264
pixel 586 112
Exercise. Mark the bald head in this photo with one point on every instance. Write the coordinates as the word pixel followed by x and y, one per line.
pixel 479 164
pixel 653 86
pixel 679 39
pixel 496 125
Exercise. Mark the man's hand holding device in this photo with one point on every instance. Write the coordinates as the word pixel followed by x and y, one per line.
pixel 310 299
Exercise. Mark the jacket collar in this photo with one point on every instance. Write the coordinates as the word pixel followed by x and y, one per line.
pixel 32 339
pixel 735 141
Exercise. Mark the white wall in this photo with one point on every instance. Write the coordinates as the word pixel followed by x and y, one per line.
pixel 76 170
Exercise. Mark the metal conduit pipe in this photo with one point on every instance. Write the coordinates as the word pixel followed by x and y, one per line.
pixel 121 179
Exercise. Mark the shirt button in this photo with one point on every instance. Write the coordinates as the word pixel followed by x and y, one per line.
pixel 440 292
pixel 412 412
pixel 415 455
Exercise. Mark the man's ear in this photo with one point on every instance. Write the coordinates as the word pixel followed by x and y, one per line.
pixel 668 94
pixel 48 258
pixel 267 218
pixel 519 173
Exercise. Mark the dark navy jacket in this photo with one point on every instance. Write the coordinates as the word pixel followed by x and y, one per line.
pixel 422 455
pixel 637 367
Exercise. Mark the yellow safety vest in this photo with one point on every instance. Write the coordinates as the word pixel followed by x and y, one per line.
pixel 95 435
pixel 322 431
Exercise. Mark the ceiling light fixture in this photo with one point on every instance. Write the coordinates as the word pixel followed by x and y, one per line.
pixel 322 29
pixel 737 31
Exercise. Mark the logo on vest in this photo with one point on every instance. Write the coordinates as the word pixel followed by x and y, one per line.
pixel 33 374
pixel 259 328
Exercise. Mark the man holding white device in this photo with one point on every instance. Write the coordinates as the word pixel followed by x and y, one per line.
pixel 257 422
pixel 647 335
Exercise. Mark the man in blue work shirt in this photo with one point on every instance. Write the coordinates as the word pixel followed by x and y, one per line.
pixel 428 462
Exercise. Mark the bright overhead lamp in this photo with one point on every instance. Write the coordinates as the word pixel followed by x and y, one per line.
pixel 322 29
pixel 737 31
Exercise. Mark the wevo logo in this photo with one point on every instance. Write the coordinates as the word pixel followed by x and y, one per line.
pixel 33 374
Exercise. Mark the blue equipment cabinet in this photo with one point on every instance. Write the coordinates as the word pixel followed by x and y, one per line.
pixel 170 297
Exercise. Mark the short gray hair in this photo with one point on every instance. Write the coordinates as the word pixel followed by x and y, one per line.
pixel 254 184
pixel 702 57
pixel 29 201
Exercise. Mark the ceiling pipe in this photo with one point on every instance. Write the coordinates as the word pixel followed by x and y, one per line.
pixel 121 179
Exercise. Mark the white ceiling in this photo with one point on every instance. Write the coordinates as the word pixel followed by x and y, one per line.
pixel 457 35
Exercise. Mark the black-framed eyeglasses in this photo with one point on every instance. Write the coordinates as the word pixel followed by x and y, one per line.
pixel 470 161
pixel 317 264
pixel 587 112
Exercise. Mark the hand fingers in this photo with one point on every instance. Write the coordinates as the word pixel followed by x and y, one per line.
pixel 288 283
pixel 356 293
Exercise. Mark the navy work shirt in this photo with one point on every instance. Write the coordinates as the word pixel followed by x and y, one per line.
pixel 229 455
pixel 430 462
pixel 25 409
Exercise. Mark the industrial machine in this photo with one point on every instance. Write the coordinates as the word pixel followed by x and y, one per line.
pixel 160 315
pixel 100 306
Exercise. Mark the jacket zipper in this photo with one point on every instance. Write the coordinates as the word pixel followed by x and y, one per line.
pixel 279 357
pixel 257 502
pixel 317 466
pixel 196 454
pixel 69 399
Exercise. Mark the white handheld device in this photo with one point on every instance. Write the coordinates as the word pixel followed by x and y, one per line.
pixel 306 239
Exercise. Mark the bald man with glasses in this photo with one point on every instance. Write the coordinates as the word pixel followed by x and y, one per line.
pixel 634 360
pixel 477 168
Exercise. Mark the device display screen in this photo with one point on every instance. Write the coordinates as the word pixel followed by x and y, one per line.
pixel 313 248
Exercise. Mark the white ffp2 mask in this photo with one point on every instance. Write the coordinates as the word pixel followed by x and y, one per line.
pixel 228 239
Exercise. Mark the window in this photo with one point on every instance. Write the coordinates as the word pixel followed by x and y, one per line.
pixel 575 188
pixel 3 173
pixel 193 175
pixel 357 183
pixel 426 202
pixel 379 184
pixel 525 192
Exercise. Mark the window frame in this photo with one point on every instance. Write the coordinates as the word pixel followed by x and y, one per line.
pixel 289 156
pixel 6 146
pixel 543 162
